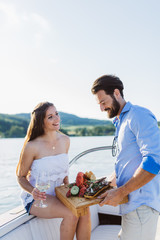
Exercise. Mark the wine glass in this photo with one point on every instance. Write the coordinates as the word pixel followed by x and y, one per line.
pixel 42 184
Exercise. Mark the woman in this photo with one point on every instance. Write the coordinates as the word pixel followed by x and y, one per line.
pixel 45 148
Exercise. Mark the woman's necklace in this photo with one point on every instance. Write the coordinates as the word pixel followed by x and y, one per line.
pixel 54 146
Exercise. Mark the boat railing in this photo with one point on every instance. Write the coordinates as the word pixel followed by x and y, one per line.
pixel 89 151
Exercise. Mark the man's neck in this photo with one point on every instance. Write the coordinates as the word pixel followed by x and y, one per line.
pixel 122 104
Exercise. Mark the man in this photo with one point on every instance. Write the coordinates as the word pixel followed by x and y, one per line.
pixel 138 161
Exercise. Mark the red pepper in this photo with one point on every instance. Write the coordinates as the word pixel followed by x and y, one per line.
pixel 80 179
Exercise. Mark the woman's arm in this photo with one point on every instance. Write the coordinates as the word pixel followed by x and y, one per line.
pixel 24 165
pixel 26 159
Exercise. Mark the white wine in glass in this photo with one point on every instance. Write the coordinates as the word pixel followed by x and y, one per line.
pixel 42 184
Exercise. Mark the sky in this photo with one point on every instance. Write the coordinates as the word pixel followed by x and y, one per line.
pixel 53 50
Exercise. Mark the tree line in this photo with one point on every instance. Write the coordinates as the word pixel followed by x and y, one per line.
pixel 12 126
pixel 16 127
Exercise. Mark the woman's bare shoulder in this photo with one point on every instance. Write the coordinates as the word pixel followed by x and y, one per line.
pixel 63 137
pixel 65 140
pixel 31 147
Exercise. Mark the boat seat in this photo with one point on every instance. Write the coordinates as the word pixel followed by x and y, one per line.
pixel 33 228
pixel 104 232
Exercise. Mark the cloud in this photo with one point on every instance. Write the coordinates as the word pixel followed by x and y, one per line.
pixel 11 17
pixel 39 26
pixel 9 11
pixel 29 23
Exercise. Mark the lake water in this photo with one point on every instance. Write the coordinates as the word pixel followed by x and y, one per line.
pixel 101 163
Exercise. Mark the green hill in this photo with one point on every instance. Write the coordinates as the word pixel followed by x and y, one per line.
pixel 12 126
pixel 68 119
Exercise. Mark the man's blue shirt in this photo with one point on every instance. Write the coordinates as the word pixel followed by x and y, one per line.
pixel 138 139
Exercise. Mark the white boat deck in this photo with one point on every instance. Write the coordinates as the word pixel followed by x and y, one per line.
pixel 43 229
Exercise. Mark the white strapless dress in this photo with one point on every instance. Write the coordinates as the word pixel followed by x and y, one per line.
pixel 57 166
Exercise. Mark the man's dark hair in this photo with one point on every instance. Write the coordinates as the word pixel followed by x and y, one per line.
pixel 107 83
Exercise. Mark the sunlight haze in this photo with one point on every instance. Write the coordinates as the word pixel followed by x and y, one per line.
pixel 54 50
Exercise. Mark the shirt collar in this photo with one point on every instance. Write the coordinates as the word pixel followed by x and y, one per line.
pixel 125 109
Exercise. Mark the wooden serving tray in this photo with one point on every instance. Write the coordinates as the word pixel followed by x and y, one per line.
pixel 78 205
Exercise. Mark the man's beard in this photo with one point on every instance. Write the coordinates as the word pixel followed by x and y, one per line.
pixel 114 109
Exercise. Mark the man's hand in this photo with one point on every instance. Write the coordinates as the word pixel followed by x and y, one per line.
pixel 111 197
pixel 114 196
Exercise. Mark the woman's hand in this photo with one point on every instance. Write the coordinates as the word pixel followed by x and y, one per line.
pixel 37 195
pixel 66 181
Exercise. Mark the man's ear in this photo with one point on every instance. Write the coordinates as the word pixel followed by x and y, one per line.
pixel 116 93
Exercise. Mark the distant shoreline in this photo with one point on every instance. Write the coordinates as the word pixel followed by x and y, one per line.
pixel 15 126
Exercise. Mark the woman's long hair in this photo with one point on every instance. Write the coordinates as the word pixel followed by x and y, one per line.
pixel 36 128
pixel 36 125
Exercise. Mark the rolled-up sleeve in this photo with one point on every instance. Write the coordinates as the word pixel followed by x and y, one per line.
pixel 150 165
pixel 145 128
